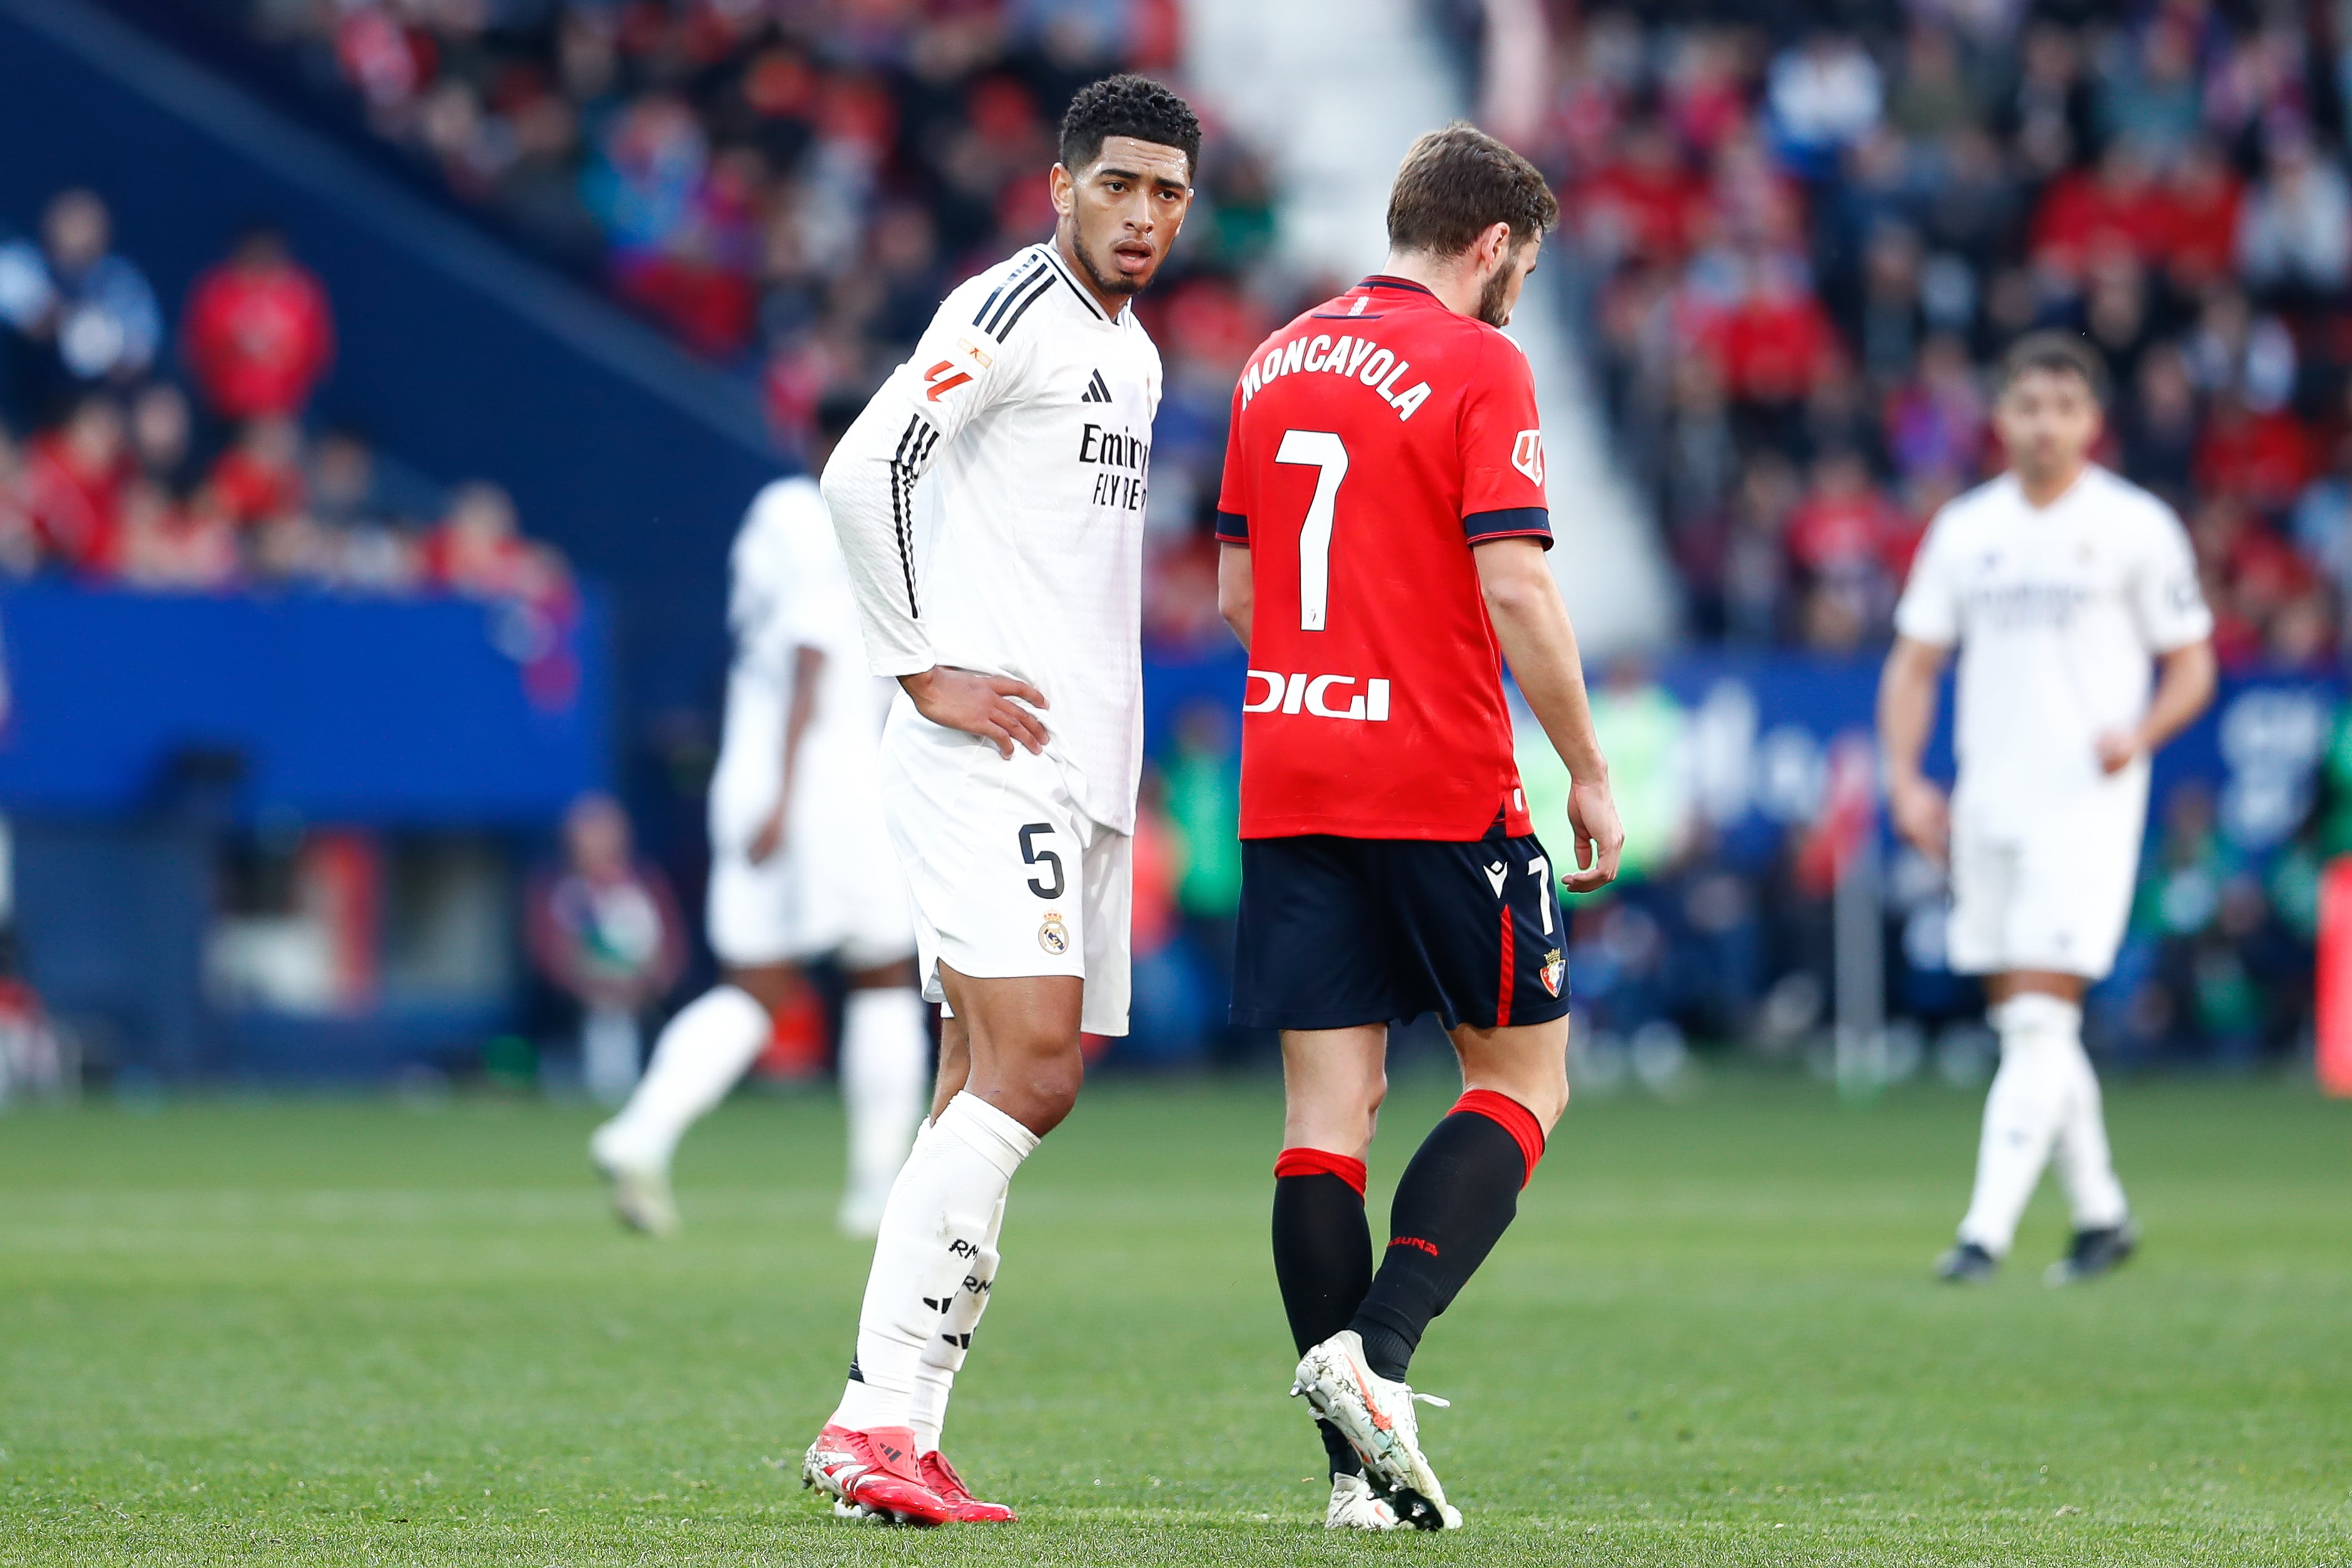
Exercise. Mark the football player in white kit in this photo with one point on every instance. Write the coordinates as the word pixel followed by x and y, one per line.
pixel 799 871
pixel 1011 760
pixel 2063 586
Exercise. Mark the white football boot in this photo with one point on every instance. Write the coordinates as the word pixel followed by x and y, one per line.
pixel 640 1186
pixel 1356 1506
pixel 1376 1416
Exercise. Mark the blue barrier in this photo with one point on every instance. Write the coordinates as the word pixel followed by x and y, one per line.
pixel 379 713
pixel 454 353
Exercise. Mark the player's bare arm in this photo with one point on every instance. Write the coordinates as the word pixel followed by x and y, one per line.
pixel 808 665
pixel 1906 714
pixel 1234 595
pixel 2184 682
pixel 1539 643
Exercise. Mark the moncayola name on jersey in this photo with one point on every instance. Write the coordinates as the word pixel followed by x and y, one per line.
pixel 1360 359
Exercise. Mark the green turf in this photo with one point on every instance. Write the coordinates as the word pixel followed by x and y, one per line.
pixel 360 1332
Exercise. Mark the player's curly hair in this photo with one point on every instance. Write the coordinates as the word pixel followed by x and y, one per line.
pixel 1457 182
pixel 1128 105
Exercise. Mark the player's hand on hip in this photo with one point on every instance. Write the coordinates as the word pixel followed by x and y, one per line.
pixel 2117 749
pixel 1922 815
pixel 1599 838
pixel 978 705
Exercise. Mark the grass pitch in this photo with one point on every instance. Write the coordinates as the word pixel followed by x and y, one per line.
pixel 348 1333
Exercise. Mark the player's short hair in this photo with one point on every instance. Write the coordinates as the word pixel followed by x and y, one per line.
pixel 2064 352
pixel 1128 105
pixel 1457 183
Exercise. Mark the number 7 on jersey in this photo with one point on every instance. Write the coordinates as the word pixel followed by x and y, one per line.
pixel 1323 451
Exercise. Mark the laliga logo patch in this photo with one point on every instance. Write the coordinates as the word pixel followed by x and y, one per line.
pixel 942 378
pixel 1527 454
pixel 1555 970
pixel 1055 937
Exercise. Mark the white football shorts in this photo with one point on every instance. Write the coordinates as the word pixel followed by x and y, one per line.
pixel 1009 876
pixel 833 889
pixel 2055 898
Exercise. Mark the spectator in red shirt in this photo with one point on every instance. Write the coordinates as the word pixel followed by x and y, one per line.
pixel 2263 456
pixel 477 549
pixel 2084 213
pixel 72 485
pixel 1847 537
pixel 1644 206
pixel 1776 343
pixel 261 477
pixel 2201 205
pixel 258 333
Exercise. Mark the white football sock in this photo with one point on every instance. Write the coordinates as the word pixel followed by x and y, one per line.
pixel 711 1042
pixel 885 1052
pixel 941 1209
pixel 2085 1167
pixel 943 1357
pixel 2040 1040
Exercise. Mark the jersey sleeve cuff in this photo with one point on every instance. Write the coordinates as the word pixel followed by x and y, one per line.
pixel 1232 528
pixel 1509 523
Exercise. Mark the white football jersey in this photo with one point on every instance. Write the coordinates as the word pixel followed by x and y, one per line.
pixel 1025 416
pixel 2059 614
pixel 789 589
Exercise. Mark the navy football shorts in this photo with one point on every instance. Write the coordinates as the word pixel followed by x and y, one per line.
pixel 1338 931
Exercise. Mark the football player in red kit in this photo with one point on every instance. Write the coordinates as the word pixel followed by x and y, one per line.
pixel 1384 523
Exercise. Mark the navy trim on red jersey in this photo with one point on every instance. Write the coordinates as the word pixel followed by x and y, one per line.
pixel 1507 523
pixel 1233 527
pixel 1382 280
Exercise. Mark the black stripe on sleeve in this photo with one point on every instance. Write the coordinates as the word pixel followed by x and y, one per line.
pixel 1233 527
pixel 1016 305
pixel 913 444
pixel 1508 522
pixel 1011 285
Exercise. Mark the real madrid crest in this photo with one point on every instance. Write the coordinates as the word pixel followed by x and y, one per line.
pixel 1055 937
pixel 1555 971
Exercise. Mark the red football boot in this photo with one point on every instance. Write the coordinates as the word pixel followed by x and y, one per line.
pixel 873 1475
pixel 962 1507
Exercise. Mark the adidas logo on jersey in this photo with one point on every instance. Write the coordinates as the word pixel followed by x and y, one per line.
pixel 1095 391
pixel 1312 694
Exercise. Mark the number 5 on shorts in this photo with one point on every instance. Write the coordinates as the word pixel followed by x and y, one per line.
pixel 1032 855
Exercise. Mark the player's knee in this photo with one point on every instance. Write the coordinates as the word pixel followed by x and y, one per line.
pixel 1045 1086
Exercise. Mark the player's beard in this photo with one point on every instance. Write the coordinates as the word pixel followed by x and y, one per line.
pixel 1495 298
pixel 1116 282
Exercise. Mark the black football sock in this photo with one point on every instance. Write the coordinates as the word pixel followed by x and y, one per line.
pixel 1455 1200
pixel 1322 1258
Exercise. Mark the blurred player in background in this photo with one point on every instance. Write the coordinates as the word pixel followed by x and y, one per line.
pixel 1384 523
pixel 799 870
pixel 2061 584
pixel 1009 768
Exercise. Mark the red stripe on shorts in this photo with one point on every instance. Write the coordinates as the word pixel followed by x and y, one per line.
pixel 1503 1000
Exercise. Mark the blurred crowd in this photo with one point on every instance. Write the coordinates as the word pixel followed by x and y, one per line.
pixel 1804 248
pixel 131 458
pixel 789 187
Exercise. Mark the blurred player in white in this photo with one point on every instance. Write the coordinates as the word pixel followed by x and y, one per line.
pixel 2064 587
pixel 800 868
pixel 1011 765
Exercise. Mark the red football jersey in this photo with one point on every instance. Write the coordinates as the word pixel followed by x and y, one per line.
pixel 1375 440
